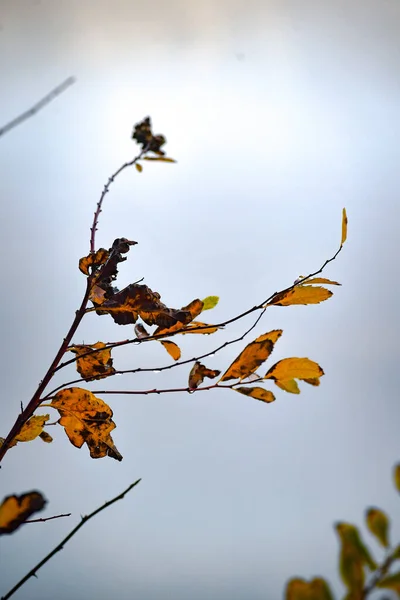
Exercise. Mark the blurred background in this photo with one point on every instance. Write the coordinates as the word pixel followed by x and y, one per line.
pixel 279 114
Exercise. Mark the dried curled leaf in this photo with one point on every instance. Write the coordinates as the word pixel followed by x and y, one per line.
pixel 136 301
pixel 94 259
pixel 15 510
pixel 252 356
pixel 107 272
pixel 354 556
pixel 193 309
pixel 198 327
pixel 300 294
pixel 378 524
pixel 31 429
pixel 46 437
pixel 198 373
pixel 172 349
pixel 160 158
pixel 144 136
pixel 344 227
pixel 299 589
pixel 258 393
pixel 285 371
pixel 96 365
pixel 86 419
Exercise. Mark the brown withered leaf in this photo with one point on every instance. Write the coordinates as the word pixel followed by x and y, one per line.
pixel 94 259
pixel 194 308
pixel 301 294
pixel 258 393
pixel 198 327
pixel 344 227
pixel 285 371
pixel 93 366
pixel 31 429
pixel 198 372
pixel 172 349
pixel 252 356
pixel 144 136
pixel 46 437
pixel 136 301
pixel 140 331
pixel 86 419
pixel 108 271
pixel 15 510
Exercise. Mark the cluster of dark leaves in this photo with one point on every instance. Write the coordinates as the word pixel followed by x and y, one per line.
pixel 144 136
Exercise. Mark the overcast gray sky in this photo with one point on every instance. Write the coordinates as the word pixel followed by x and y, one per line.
pixel 279 114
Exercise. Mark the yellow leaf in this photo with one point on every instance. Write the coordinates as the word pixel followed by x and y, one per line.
pixel 86 419
pixel 198 372
pixel 301 294
pixel 344 227
pixel 210 302
pixel 397 476
pixel 317 589
pixel 15 510
pixel 96 365
pixel 172 349
pixel 94 259
pixel 31 429
pixel 258 393
pixel 138 167
pixel 288 385
pixel 252 356
pixel 320 280
pixel 46 437
pixel 285 371
pixel 378 524
pixel 160 158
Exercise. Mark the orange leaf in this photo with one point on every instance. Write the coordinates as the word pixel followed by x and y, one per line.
pixel 252 356
pixel 198 373
pixel 197 327
pixel 15 510
pixel 258 393
pixel 94 259
pixel 192 310
pixel 320 280
pixel 86 419
pixel 301 294
pixel 96 365
pixel 172 349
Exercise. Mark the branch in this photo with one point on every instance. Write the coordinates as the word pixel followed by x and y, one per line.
pixel 46 519
pixel 379 574
pixel 32 572
pixel 262 306
pixel 38 106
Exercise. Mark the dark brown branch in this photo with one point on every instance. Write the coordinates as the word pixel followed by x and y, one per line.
pixel 38 106
pixel 262 306
pixel 60 546
pixel 46 519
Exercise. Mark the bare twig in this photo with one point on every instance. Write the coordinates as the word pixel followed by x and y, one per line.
pixel 38 106
pixel 379 574
pixel 60 546
pixel 46 519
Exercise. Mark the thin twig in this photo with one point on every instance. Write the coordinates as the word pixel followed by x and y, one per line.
pixel 262 306
pixel 46 519
pixel 38 106
pixel 60 546
pixel 379 574
pixel 105 191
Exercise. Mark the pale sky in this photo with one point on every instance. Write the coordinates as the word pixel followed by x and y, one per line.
pixel 279 114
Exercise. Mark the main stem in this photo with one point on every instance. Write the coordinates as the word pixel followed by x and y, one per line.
pixel 35 400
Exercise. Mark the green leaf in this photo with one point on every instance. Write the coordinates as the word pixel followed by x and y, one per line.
pixel 378 524
pixel 210 302
pixel 391 582
pixel 354 556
